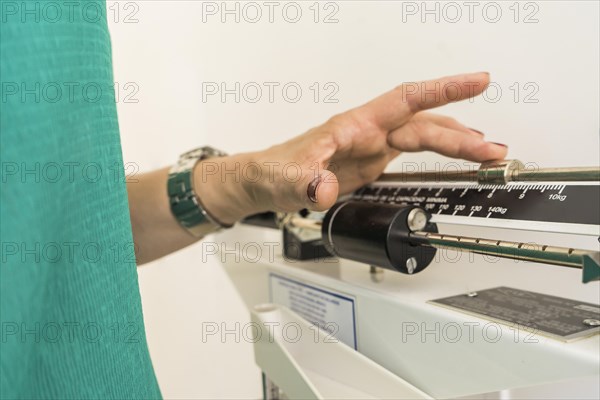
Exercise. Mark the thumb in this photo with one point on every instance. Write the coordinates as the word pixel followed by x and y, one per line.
pixel 321 192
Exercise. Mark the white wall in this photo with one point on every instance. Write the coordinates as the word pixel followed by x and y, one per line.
pixel 169 52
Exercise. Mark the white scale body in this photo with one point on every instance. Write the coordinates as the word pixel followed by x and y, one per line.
pixel 406 347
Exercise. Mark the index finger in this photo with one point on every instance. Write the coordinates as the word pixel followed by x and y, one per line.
pixel 396 107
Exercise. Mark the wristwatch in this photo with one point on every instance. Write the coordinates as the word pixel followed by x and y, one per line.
pixel 185 203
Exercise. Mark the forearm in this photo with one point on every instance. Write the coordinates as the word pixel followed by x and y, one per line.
pixel 156 232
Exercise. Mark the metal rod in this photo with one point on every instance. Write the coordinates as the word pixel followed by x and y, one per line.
pixel 587 260
pixel 430 176
pixel 499 172
pixel 563 256
pixel 580 174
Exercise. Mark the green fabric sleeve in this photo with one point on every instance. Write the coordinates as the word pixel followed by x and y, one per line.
pixel 72 324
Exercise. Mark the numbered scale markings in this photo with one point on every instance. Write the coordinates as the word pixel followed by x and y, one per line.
pixel 574 206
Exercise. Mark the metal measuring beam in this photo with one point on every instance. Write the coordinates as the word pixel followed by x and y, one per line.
pixel 500 173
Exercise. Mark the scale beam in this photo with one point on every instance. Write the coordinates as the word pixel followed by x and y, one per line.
pixel 586 260
pixel 392 222
pixel 500 172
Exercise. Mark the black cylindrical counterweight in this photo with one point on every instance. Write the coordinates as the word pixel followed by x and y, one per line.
pixel 376 234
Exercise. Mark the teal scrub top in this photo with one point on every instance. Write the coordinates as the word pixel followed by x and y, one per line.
pixel 72 324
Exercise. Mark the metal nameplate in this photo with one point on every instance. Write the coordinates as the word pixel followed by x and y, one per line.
pixel 552 316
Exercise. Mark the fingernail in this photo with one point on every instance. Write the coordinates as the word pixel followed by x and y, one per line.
pixel 476 131
pixel 499 144
pixel 312 189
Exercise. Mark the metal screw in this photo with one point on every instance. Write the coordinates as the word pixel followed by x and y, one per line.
pixel 591 322
pixel 417 219
pixel 472 294
pixel 375 270
pixel 376 273
pixel 411 265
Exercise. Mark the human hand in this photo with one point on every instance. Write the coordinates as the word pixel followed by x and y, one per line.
pixel 311 170
pixel 353 148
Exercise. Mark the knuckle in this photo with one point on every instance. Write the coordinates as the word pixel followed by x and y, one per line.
pixel 337 121
pixel 349 122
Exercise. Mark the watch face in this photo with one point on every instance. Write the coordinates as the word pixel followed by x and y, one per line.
pixel 202 153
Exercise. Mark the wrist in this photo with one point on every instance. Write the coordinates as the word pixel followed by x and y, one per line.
pixel 227 187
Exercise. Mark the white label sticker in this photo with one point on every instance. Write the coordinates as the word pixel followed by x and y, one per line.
pixel 330 311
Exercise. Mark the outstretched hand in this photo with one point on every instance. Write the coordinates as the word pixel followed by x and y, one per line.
pixel 353 148
pixel 311 170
